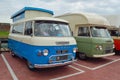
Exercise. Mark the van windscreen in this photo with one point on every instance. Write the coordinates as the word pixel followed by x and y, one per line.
pixel 99 32
pixel 51 28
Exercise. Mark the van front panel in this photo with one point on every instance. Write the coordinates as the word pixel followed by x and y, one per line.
pixel 33 51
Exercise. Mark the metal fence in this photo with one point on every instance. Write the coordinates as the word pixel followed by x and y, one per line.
pixel 4 45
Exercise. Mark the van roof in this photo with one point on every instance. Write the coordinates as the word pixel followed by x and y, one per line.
pixel 31 8
pixel 90 18
pixel 112 28
pixel 44 18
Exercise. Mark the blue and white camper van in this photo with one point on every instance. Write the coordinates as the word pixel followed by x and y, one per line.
pixel 40 39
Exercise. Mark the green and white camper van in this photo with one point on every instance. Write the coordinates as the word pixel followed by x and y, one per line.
pixel 91 34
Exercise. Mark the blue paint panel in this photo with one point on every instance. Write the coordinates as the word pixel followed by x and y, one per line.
pixel 30 8
pixel 30 51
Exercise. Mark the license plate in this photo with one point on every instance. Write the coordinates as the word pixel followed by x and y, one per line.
pixel 58 58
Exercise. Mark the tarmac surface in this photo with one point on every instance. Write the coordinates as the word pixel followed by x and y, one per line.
pixel 106 68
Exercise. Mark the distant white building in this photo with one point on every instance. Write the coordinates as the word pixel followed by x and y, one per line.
pixel 113 19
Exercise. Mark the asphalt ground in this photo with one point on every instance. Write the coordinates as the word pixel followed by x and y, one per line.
pixel 106 68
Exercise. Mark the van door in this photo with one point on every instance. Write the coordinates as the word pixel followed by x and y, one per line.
pixel 28 34
pixel 83 39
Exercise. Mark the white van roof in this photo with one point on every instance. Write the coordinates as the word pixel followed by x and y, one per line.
pixel 86 18
pixel 31 12
pixel 43 18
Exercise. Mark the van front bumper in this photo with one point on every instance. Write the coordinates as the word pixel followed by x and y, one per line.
pixel 52 65
pixel 104 55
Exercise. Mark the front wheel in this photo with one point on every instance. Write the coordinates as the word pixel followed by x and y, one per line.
pixel 82 56
pixel 30 66
pixel 116 51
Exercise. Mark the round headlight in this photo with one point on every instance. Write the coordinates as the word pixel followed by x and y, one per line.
pixel 75 50
pixel 99 47
pixel 45 52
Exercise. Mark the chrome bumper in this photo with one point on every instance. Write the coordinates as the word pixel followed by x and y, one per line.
pixel 52 65
pixel 104 55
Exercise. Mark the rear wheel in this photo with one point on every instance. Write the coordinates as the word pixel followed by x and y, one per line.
pixel 12 53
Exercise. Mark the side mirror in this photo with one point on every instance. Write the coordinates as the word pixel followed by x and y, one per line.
pixel 31 35
pixel 72 33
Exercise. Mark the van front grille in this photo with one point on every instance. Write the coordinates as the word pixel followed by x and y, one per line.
pixel 61 51
pixel 58 58
pixel 108 49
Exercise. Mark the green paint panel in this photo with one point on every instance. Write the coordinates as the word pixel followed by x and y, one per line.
pixel 88 45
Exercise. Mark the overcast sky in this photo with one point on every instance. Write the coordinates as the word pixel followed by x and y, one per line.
pixel 102 7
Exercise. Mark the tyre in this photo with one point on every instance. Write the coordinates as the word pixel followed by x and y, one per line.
pixel 30 66
pixel 12 54
pixel 117 51
pixel 82 56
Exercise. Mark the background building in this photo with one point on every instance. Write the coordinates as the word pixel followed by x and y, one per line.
pixel 4 26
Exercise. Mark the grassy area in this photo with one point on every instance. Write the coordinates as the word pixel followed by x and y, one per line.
pixel 4 34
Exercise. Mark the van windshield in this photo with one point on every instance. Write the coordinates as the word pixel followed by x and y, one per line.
pixel 51 28
pixel 99 32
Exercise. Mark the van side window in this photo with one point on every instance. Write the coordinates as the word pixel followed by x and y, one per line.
pixel 28 28
pixel 18 28
pixel 83 31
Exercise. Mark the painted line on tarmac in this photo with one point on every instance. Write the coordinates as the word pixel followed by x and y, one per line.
pixel 75 68
pixel 83 66
pixel 9 68
pixel 70 75
pixel 106 64
pixel 97 66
